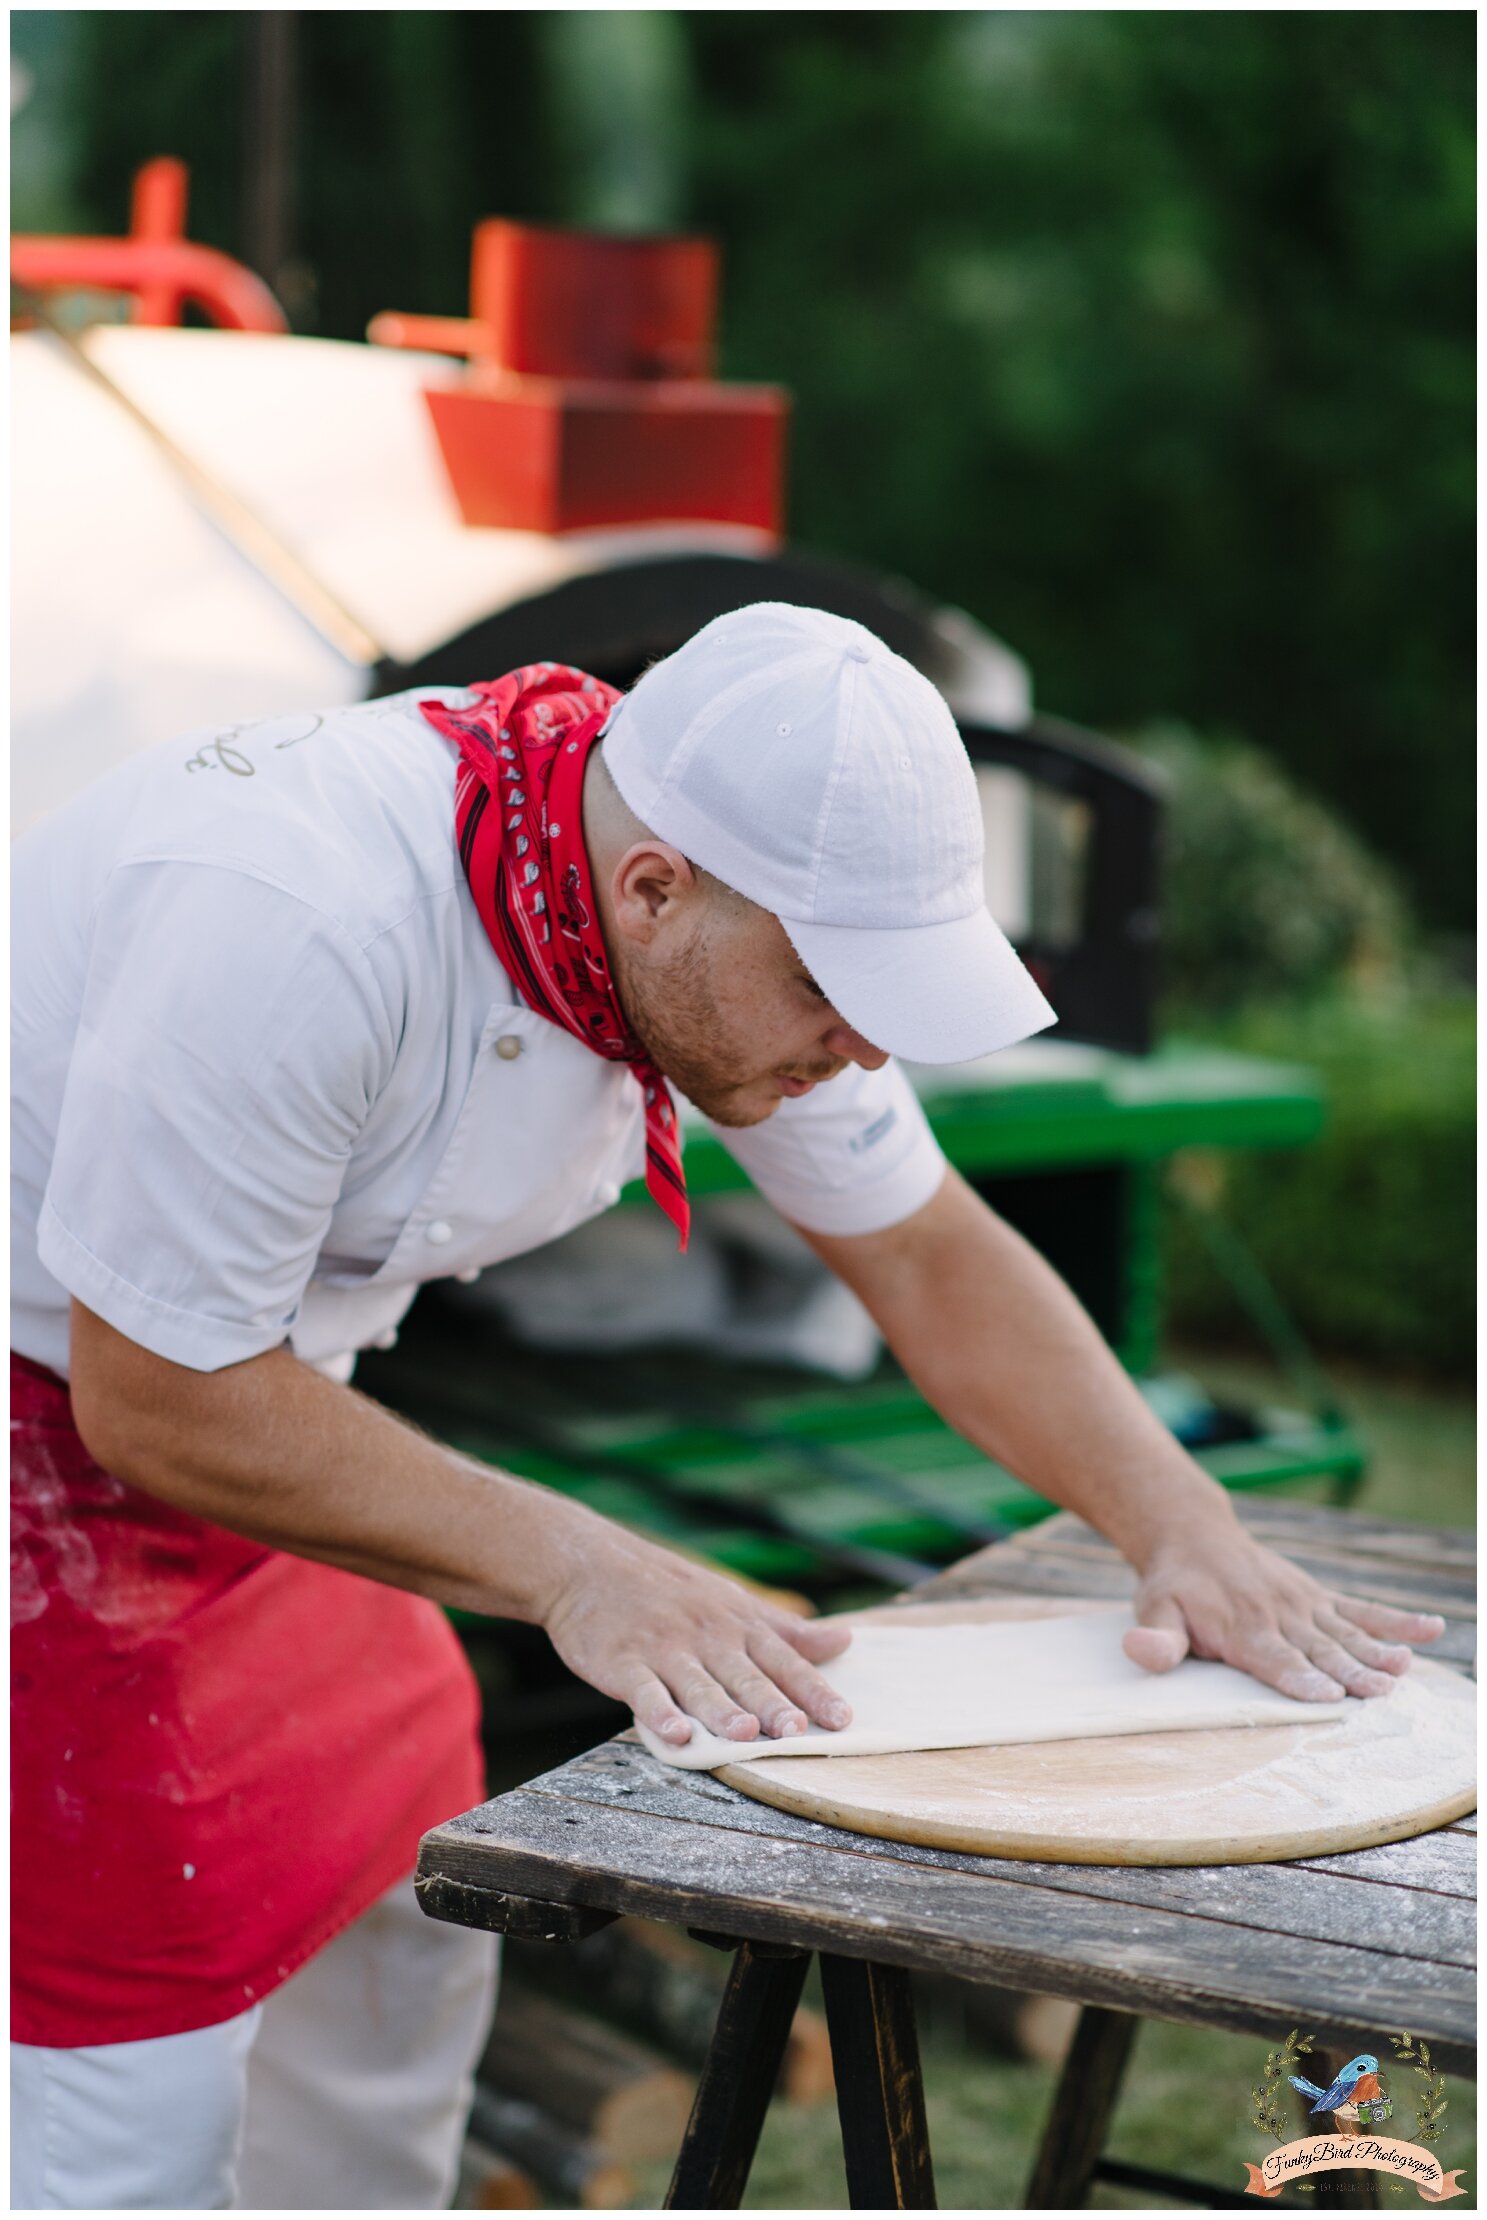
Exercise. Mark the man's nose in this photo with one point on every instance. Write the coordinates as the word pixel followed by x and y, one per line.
pixel 840 1040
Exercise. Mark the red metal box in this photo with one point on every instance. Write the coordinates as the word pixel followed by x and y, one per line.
pixel 568 455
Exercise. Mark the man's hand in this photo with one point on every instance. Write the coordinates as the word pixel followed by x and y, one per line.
pixel 666 1636
pixel 1219 1594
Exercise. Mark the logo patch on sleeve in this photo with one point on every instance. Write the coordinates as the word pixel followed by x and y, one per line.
pixel 870 1135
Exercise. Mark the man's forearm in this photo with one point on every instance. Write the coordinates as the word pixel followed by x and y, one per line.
pixel 997 1343
pixel 273 1450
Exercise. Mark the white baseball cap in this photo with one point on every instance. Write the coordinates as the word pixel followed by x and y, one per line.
pixel 800 761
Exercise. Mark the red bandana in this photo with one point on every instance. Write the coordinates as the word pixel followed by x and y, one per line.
pixel 518 815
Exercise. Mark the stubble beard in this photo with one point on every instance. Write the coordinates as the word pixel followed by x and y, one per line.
pixel 674 1017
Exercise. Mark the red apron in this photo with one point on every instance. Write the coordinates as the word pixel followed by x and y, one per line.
pixel 221 1754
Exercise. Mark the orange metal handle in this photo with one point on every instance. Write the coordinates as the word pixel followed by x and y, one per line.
pixel 228 294
pixel 157 210
pixel 435 335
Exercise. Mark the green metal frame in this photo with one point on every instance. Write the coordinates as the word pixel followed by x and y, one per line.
pixel 622 1467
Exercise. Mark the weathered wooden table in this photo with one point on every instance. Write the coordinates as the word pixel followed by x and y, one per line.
pixel 1348 1947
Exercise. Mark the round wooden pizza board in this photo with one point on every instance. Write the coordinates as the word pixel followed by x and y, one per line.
pixel 1391 1767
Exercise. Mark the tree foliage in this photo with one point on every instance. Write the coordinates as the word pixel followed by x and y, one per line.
pixel 1368 1234
pixel 1144 335
pixel 1267 895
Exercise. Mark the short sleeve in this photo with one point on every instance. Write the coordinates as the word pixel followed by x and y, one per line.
pixel 853 1156
pixel 231 1044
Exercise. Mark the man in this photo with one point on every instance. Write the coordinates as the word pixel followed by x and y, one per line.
pixel 309 1013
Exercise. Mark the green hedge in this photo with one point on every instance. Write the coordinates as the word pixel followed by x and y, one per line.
pixel 1268 895
pixel 1368 1235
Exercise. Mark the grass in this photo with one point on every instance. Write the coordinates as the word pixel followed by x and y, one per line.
pixel 1421 1436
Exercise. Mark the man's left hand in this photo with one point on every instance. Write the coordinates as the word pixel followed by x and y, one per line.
pixel 1216 1593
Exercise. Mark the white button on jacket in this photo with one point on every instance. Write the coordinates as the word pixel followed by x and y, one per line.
pixel 255 1098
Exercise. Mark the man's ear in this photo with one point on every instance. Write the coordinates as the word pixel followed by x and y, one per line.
pixel 651 880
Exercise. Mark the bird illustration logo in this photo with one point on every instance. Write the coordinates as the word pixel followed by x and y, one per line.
pixel 1357 2094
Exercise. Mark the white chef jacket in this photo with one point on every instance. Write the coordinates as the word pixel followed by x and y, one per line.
pixel 269 1076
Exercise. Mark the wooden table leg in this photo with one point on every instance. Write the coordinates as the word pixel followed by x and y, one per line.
pixel 1077 2126
pixel 879 2088
pixel 738 2080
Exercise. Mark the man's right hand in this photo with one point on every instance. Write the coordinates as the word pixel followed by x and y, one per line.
pixel 669 1637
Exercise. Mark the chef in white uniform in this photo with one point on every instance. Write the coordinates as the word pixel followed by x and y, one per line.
pixel 313 1011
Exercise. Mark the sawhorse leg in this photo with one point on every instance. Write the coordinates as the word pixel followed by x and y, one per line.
pixel 879 2088
pixel 1080 2120
pixel 880 2092
pixel 743 2064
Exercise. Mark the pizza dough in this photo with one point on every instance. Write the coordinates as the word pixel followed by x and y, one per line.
pixel 1028 1680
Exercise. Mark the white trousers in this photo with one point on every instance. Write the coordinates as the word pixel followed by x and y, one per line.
pixel 347 2089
